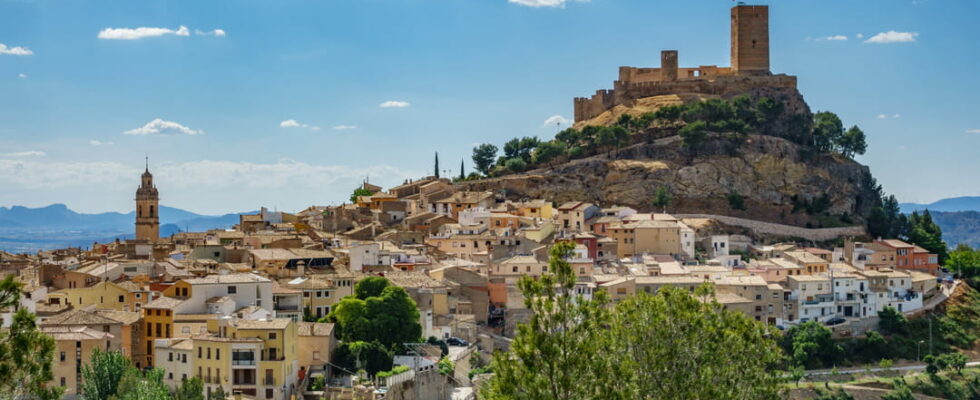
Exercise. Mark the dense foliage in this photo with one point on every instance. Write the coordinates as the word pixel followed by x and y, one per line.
pixel 358 192
pixel 667 345
pixel 26 354
pixel 110 375
pixel 373 325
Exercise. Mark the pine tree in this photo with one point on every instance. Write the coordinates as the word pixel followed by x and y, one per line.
pixel 462 172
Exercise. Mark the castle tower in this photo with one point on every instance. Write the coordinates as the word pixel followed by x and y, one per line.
pixel 668 65
pixel 750 39
pixel 147 209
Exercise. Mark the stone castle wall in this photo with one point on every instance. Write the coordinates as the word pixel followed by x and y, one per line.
pixel 722 85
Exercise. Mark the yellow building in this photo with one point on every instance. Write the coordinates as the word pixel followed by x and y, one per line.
pixel 257 358
pixel 158 323
pixel 74 346
pixel 104 295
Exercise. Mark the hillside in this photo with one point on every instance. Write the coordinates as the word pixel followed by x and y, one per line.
pixel 762 173
pixel 959 227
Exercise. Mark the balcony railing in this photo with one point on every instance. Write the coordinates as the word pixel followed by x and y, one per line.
pixel 242 362
pixel 269 381
pixel 286 307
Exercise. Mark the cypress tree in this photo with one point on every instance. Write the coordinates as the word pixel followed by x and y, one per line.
pixel 437 165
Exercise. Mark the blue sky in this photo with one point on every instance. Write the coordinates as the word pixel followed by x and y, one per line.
pixel 279 103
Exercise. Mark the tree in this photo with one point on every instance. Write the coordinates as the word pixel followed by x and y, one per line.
pixel 810 345
pixel 462 172
pixel 520 148
pixel 102 374
pixel 437 165
pixel 853 142
pixel 668 345
pixel 516 165
pixel 358 192
pixel 218 394
pixel 560 353
pixel 548 151
pixel 890 321
pixel 190 389
pixel 662 198
pixel 389 317
pixel 736 201
pixel 613 137
pixel 964 260
pixel 901 391
pixel 679 346
pixel 371 286
pixel 136 386
pixel 372 357
pixel 570 136
pixel 26 354
pixel 483 157
pixel 768 111
pixel 828 130
pixel 694 135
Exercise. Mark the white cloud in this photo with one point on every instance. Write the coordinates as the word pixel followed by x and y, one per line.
pixel 973 131
pixel 22 76
pixel 882 116
pixel 556 119
pixel 100 143
pixel 545 3
pixel 292 123
pixel 834 38
pixel 216 32
pixel 893 37
pixel 344 127
pixel 886 116
pixel 161 127
pixel 859 35
pixel 210 186
pixel 896 115
pixel 15 51
pixel 394 104
pixel 31 153
pixel 140 33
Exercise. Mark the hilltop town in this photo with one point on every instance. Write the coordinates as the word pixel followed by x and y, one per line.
pixel 437 263
pixel 259 293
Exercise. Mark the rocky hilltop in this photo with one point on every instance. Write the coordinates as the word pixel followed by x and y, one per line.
pixel 764 176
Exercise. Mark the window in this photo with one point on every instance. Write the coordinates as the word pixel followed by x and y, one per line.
pixel 62 357
pixel 232 290
pixel 268 393
pixel 62 381
pixel 122 299
pixel 199 353
pixel 170 356
pixel 217 354
pixel 316 355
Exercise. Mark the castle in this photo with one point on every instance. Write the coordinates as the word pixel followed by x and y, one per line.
pixel 749 70
pixel 147 209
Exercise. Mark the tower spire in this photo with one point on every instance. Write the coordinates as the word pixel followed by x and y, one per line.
pixel 147 162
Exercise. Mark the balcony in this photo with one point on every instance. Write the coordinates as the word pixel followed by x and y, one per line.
pixel 269 381
pixel 243 362
pixel 286 307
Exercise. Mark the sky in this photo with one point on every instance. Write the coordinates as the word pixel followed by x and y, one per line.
pixel 246 103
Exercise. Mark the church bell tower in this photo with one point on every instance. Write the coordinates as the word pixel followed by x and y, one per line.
pixel 147 209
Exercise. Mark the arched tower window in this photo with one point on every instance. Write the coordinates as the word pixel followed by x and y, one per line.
pixel 151 211
pixel 139 211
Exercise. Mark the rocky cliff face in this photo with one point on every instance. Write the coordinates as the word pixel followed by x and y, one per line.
pixel 768 172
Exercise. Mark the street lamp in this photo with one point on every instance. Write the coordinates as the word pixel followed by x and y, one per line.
pixel 917 353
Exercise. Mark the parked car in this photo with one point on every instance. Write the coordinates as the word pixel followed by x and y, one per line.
pixel 835 321
pixel 455 341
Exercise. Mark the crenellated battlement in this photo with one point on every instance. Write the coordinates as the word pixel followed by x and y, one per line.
pixel 749 70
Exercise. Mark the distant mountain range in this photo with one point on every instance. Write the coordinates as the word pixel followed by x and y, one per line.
pixel 25 229
pixel 959 217
pixel 966 203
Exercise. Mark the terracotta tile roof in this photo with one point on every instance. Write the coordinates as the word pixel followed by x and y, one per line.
pixel 314 329
pixel 79 317
pixel 164 302
pixel 75 333
pixel 276 323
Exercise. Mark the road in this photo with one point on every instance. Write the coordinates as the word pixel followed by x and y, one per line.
pixel 911 367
